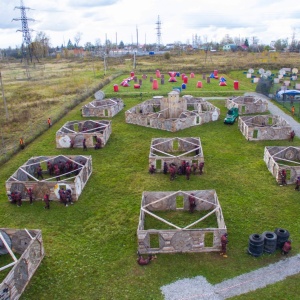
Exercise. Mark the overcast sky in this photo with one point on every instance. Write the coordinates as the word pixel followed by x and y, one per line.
pixel 132 20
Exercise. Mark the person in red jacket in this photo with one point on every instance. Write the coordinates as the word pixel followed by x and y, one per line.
pixel 224 242
pixel 144 261
pixel 187 171
pixel 192 201
pixel 286 248
pixel 47 201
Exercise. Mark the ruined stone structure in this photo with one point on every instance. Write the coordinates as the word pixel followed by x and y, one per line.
pixel 175 150
pixel 188 238
pixel 248 104
pixel 26 177
pixel 102 108
pixel 75 131
pixel 279 157
pixel 172 113
pixel 28 244
pixel 264 127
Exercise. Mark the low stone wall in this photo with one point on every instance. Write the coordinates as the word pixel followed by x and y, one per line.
pixel 25 177
pixel 180 239
pixel 162 150
pixel 32 252
pixel 278 158
pixel 75 131
pixel 248 104
pixel 106 108
pixel 264 127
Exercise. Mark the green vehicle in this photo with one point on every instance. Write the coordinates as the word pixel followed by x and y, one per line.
pixel 232 115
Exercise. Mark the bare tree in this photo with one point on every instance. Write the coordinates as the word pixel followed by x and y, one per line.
pixel 77 38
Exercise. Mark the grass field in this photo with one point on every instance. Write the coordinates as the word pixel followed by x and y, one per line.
pixel 91 246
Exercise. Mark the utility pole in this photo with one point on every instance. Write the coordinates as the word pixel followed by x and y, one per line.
pixel 158 33
pixel 4 100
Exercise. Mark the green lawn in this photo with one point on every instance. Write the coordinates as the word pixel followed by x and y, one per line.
pixel 91 246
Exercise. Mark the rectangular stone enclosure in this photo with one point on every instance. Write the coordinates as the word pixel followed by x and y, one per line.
pixel 280 157
pixel 248 104
pixel 264 127
pixel 102 108
pixel 74 179
pixel 184 238
pixel 175 150
pixel 28 244
pixel 75 131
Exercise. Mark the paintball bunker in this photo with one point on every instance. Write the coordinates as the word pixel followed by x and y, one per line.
pixel 248 104
pixel 175 150
pixel 102 108
pixel 187 238
pixel 172 113
pixel 288 158
pixel 29 245
pixel 264 127
pixel 76 131
pixel 26 177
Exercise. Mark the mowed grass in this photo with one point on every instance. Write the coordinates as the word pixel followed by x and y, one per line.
pixel 91 246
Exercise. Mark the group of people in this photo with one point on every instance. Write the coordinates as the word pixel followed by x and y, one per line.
pixel 65 196
pixel 64 168
pixel 16 197
pixel 184 169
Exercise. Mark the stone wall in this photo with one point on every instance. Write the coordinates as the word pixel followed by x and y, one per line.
pixel 264 127
pixel 180 239
pixel 248 104
pixel 32 253
pixel 289 155
pixel 76 131
pixel 106 108
pixel 25 177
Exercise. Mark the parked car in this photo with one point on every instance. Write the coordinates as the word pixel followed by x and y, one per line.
pixel 232 115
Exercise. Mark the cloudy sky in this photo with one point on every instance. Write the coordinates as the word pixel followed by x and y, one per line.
pixel 132 20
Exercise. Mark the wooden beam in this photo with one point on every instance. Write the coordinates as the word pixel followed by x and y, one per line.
pixel 28 174
pixel 204 217
pixel 163 198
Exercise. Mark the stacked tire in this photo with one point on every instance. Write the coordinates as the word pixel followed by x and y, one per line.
pixel 270 241
pixel 282 236
pixel 256 244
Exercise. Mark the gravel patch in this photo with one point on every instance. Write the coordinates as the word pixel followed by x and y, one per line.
pixel 198 287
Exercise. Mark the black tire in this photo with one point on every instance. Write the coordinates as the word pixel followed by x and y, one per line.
pixel 282 236
pixel 270 241
pixel 256 244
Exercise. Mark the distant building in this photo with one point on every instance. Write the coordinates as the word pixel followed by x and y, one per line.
pixel 230 47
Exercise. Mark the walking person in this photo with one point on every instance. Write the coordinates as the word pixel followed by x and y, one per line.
pixel 47 201
pixel 192 202
pixel 224 242
pixel 49 122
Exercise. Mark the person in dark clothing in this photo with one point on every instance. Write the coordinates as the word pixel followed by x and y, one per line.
pixel 201 166
pixel 72 143
pixel 282 174
pixel 18 196
pixel 57 172
pixel 297 184
pixel 194 168
pixel 152 169
pixel 84 145
pixel 183 166
pixel 197 150
pixel 192 202
pixel 47 201
pixel 39 172
pixel 172 171
pixel 98 143
pixel 287 247
pixel 69 196
pixel 292 135
pixel 165 168
pixel 50 168
pixel 187 171
pixel 30 195
pixel 224 242
pixel 144 261
pixel 49 122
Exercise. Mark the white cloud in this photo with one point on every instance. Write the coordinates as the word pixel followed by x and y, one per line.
pixel 180 20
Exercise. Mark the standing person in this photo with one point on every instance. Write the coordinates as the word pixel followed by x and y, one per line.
pixel 293 110
pixel 287 247
pixel 172 171
pixel 49 122
pixel 187 171
pixel 183 167
pixel 22 143
pixel 282 174
pixel 165 168
pixel 57 172
pixel 224 242
pixel 84 144
pixel 152 169
pixel 194 168
pixel 49 168
pixel 30 195
pixel 292 135
pixel 39 172
pixel 297 184
pixel 192 202
pixel 18 198
pixel 201 166
pixel 47 201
